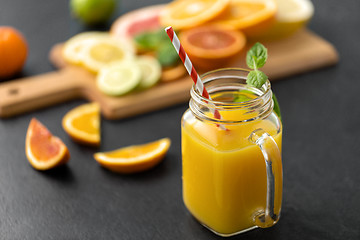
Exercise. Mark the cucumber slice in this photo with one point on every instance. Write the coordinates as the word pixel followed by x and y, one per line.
pixel 151 71
pixel 119 78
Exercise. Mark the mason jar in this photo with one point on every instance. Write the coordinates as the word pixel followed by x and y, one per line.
pixel 231 165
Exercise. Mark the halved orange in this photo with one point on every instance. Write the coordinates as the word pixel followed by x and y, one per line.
pixel 212 46
pixel 43 150
pixel 134 158
pixel 83 124
pixel 183 14
pixel 250 16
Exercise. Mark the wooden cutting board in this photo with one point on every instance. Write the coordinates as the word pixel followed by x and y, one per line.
pixel 303 52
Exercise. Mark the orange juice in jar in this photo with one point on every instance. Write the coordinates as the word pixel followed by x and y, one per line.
pixel 232 170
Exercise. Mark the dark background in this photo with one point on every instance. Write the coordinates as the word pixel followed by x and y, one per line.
pixel 321 150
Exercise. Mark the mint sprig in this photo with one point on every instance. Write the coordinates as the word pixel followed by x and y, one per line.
pixel 256 58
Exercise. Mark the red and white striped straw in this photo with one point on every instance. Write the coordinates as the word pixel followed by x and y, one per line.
pixel 191 70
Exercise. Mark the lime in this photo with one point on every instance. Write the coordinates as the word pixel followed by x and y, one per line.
pixel 151 71
pixel 92 11
pixel 119 78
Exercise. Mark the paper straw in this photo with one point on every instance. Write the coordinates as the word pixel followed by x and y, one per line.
pixel 191 70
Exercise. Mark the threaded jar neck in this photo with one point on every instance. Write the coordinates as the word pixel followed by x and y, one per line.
pixel 235 100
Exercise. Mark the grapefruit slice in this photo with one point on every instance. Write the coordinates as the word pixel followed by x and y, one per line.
pixel 83 124
pixel 135 158
pixel 43 150
pixel 212 46
pixel 138 21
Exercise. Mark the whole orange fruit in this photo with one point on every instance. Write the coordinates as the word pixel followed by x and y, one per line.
pixel 13 51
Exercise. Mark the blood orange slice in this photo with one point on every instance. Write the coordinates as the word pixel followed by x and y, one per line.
pixel 212 46
pixel 43 150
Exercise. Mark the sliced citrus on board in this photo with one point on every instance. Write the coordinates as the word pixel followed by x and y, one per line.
pixel 291 16
pixel 151 71
pixel 212 46
pixel 83 124
pixel 99 53
pixel 134 158
pixel 73 48
pixel 183 14
pixel 119 78
pixel 43 150
pixel 250 16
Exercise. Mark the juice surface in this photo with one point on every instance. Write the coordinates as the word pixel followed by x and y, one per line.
pixel 224 174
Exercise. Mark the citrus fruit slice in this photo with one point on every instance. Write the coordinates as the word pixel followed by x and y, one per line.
pixel 43 150
pixel 183 14
pixel 250 16
pixel 103 51
pixel 83 124
pixel 135 158
pixel 135 22
pixel 151 71
pixel 173 73
pixel 119 78
pixel 73 48
pixel 13 51
pixel 291 16
pixel 212 46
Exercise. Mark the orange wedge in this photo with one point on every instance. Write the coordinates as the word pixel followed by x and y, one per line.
pixel 134 158
pixel 183 14
pixel 83 124
pixel 250 16
pixel 43 150
pixel 212 46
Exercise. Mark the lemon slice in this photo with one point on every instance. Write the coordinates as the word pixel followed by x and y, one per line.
pixel 103 51
pixel 291 16
pixel 72 51
pixel 119 78
pixel 134 158
pixel 151 71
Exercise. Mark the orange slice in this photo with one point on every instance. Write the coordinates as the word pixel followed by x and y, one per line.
pixel 183 14
pixel 43 150
pixel 212 46
pixel 134 158
pixel 83 124
pixel 250 16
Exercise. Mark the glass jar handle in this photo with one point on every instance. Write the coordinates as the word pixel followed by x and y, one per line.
pixel 272 157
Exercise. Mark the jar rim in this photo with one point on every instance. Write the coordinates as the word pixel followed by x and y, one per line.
pixel 265 89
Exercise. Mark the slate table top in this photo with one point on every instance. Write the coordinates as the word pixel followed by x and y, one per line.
pixel 321 149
